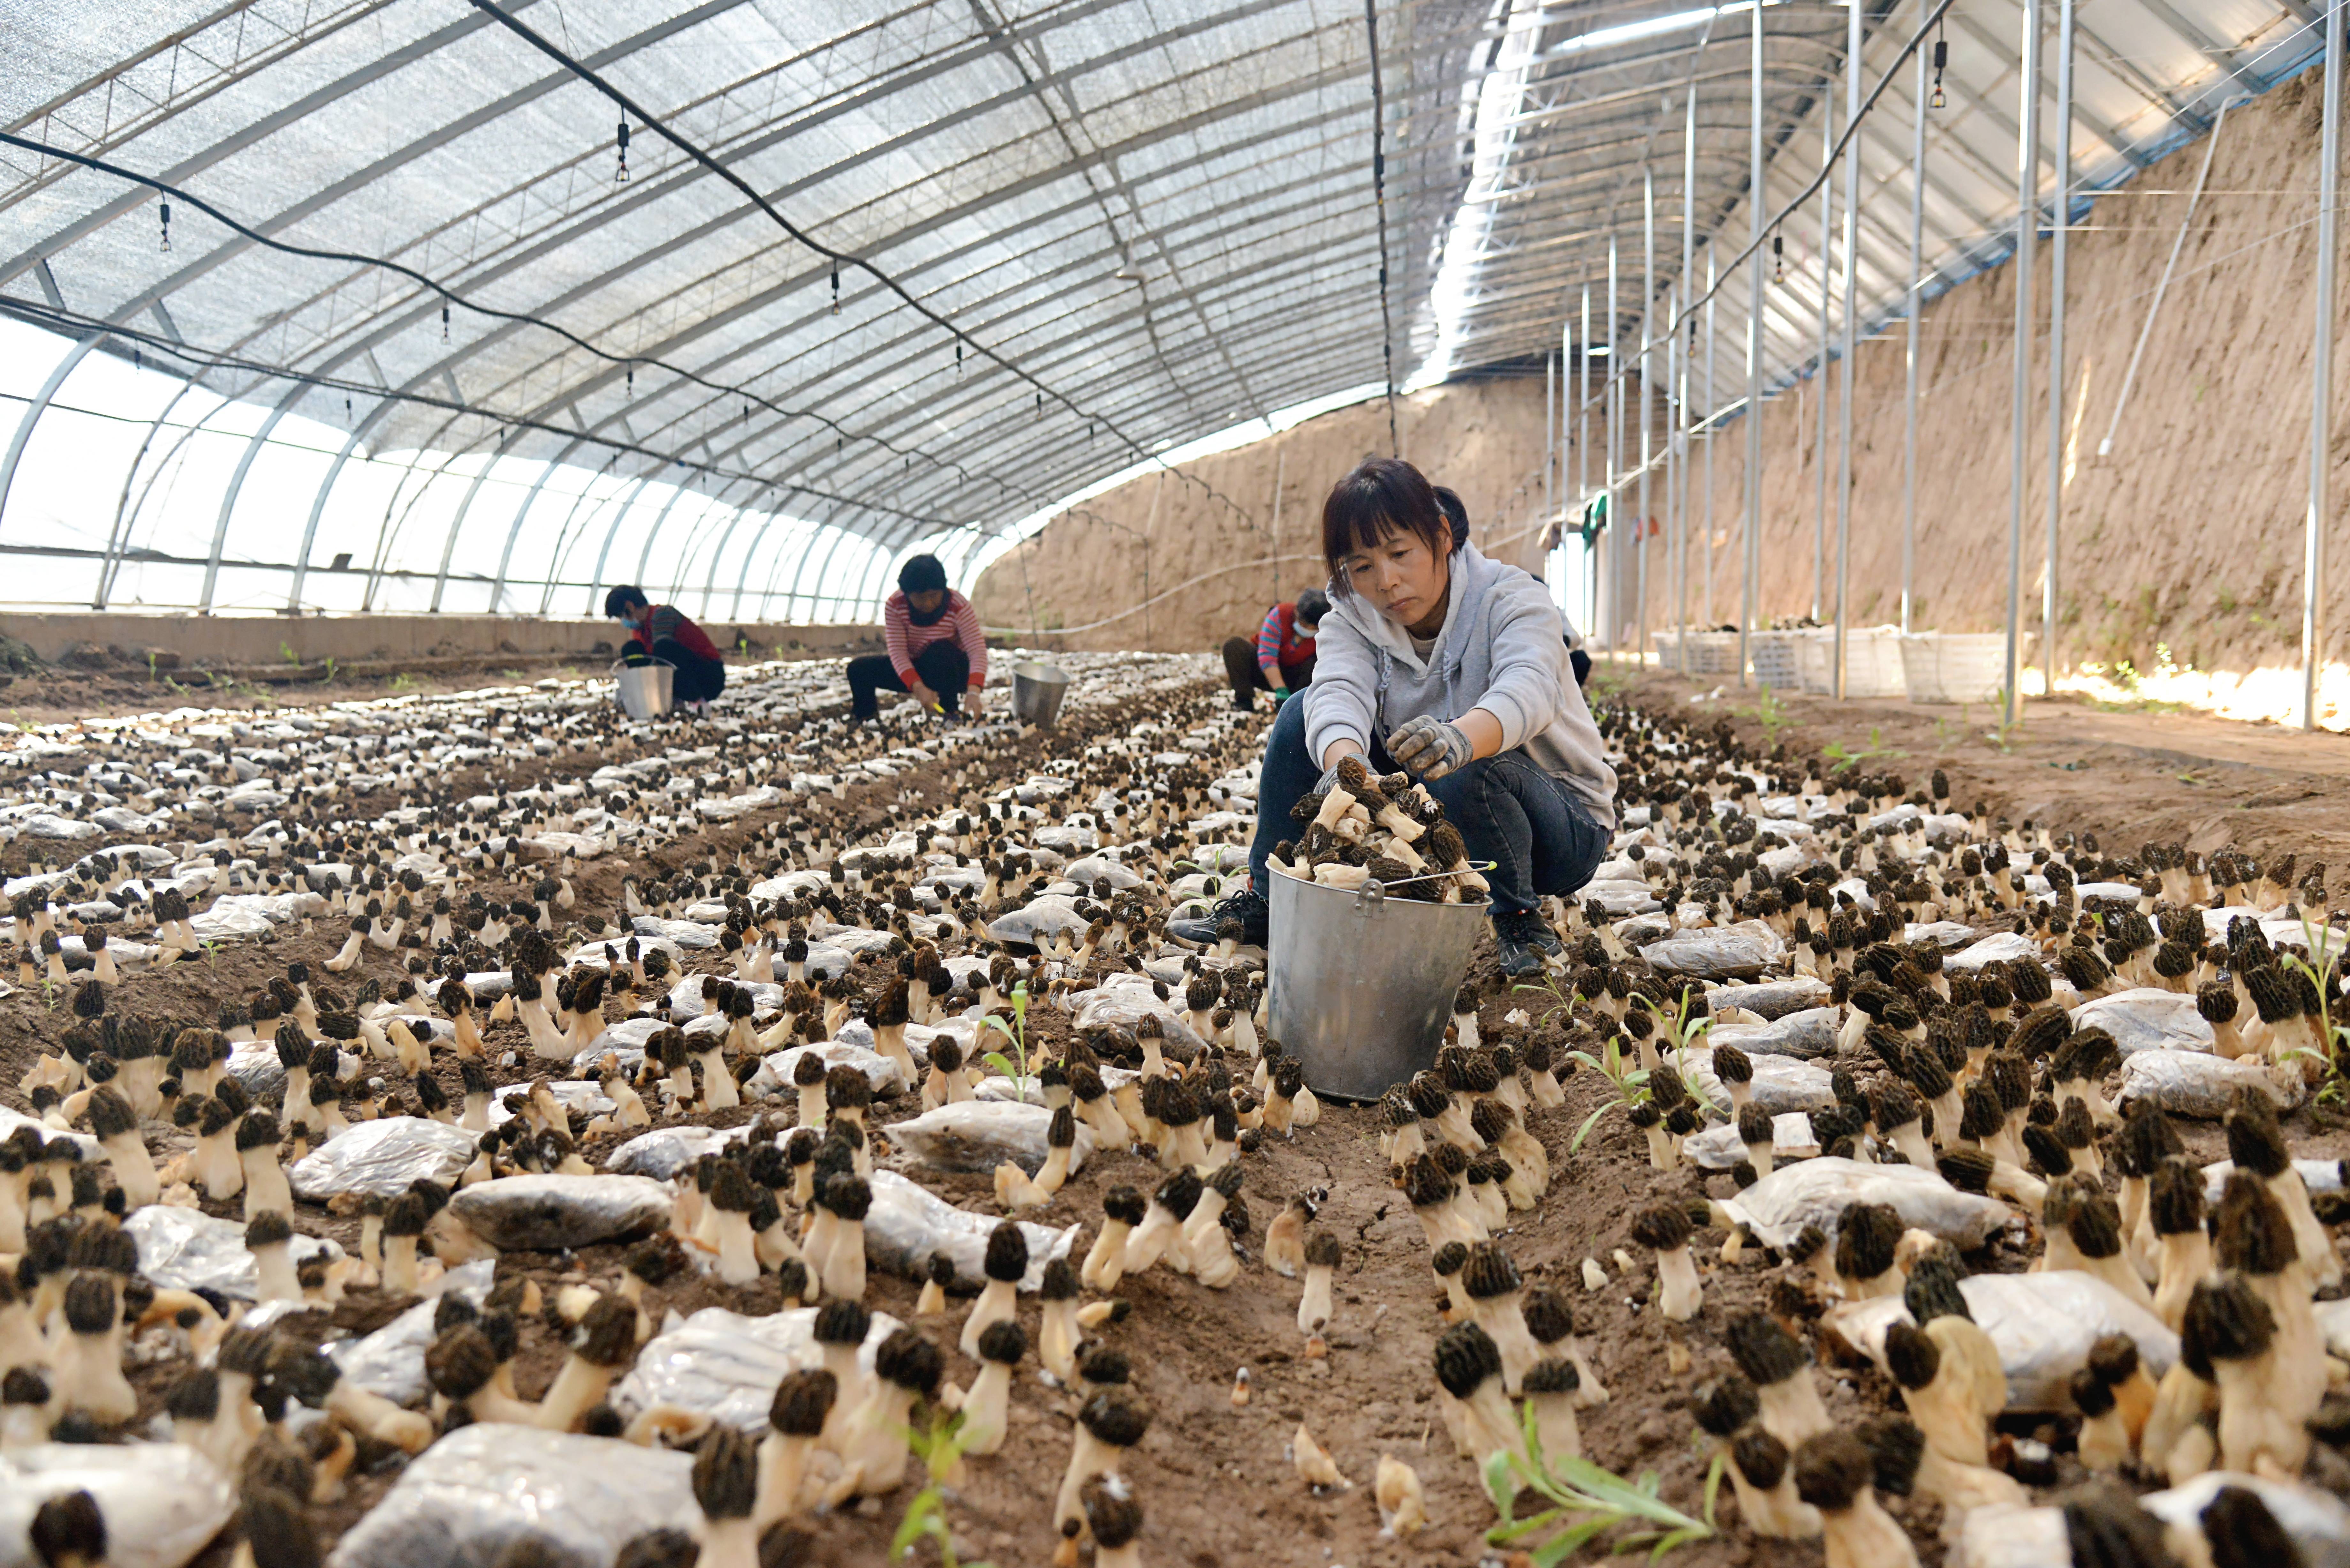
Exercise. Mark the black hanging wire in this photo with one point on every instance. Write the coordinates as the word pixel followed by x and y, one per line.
pixel 1379 201
pixel 170 192
pixel 639 114
pixel 199 360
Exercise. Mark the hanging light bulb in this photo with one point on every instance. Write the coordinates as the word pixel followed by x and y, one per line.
pixel 622 178
pixel 1942 58
pixel 167 225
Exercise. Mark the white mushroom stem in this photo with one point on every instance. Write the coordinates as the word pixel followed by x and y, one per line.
pixel 1314 1306
pixel 278 1282
pixel 1683 1293
pixel 999 1301
pixel 266 1186
pixel 1105 1263
pixel 782 1472
pixel 408 1430
pixel 986 1409
pixel 134 1171
pixel 1791 1410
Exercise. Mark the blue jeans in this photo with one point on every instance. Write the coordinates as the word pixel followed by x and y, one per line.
pixel 1541 839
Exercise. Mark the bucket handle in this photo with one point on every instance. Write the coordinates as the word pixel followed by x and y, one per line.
pixel 1372 895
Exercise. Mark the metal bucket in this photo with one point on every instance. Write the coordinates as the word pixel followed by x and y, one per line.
pixel 645 691
pixel 1036 692
pixel 1362 984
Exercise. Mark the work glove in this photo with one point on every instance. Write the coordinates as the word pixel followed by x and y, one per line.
pixel 1428 748
pixel 1280 695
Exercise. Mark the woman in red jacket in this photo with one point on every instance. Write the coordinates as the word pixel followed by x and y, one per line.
pixel 936 651
pixel 664 632
pixel 1282 658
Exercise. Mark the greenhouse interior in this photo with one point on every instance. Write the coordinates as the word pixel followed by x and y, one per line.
pixel 1254 782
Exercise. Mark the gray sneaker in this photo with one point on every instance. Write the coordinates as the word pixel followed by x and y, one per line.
pixel 1522 939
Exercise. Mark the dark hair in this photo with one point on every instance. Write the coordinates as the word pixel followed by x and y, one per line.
pixel 923 574
pixel 1383 495
pixel 1312 606
pixel 620 601
pixel 1454 513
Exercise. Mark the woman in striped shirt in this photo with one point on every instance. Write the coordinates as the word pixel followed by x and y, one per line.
pixel 935 650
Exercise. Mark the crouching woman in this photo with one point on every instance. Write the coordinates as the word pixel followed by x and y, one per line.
pixel 1450 667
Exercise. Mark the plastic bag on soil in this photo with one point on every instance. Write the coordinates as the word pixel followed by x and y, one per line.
pixel 463 1501
pixel 907 1222
pixel 2042 1324
pixel 2146 1018
pixel 664 1152
pixel 2317 1175
pixel 1626 897
pixel 1783 1085
pixel 11 1120
pixel 1123 1004
pixel 379 1159
pixel 2006 1536
pixel 1772 999
pixel 162 1502
pixel 995 1088
pixel 775 1075
pixel 187 1249
pixel 2199 1084
pixel 1999 946
pixel 552 1213
pixel 1950 936
pixel 978 1135
pixel 625 1040
pixel 1719 1149
pixel 571 1093
pixel 1037 923
pixel 1718 952
pixel 390 1361
pixel 1818 1191
pixel 688 934
pixel 1094 868
pixel 723 1366
pixel 1807 1035
pixel 2317 1521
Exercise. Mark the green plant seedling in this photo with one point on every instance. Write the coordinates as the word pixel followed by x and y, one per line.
pixel 1013 1066
pixel 1586 1502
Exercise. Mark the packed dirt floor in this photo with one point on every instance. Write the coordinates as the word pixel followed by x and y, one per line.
pixel 1215 1475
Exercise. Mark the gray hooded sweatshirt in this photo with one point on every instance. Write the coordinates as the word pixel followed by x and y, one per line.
pixel 1499 650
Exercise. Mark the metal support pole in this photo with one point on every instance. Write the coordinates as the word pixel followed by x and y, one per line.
pixel 1750 554
pixel 1847 390
pixel 514 529
pixel 1648 416
pixel 1910 392
pixel 1677 472
pixel 259 439
pixel 1612 579
pixel 1712 402
pixel 2027 218
pixel 1550 441
pixel 1591 623
pixel 2321 390
pixel 1564 436
pixel 35 409
pixel 1820 372
pixel 2059 218
pixel 1685 345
